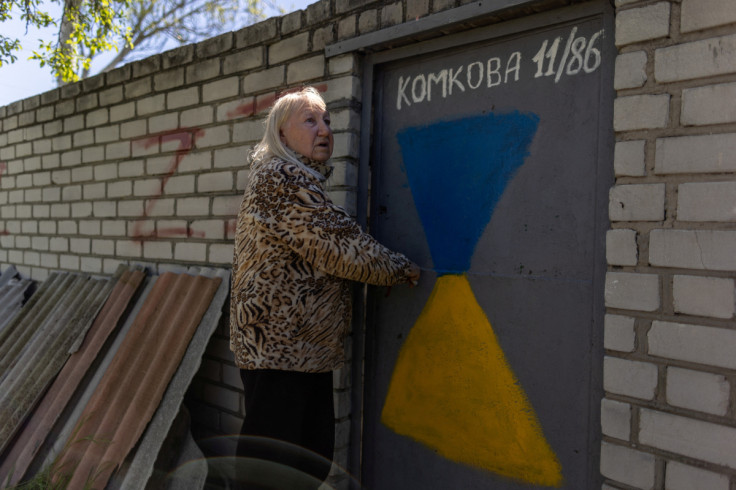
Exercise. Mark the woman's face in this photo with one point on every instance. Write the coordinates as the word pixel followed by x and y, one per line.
pixel 307 131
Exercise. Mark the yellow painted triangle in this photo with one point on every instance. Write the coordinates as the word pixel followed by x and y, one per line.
pixel 453 390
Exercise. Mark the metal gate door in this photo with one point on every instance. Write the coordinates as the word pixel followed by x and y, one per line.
pixel 490 166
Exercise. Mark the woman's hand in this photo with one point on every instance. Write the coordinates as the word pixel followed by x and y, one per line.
pixel 412 278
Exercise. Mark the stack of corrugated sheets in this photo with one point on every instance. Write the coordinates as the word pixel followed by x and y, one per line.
pixel 118 354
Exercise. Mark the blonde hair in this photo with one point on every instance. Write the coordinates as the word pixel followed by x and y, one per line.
pixel 285 106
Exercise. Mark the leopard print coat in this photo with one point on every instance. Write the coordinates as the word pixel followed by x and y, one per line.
pixel 295 253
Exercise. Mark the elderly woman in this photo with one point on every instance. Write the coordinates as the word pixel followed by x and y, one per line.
pixel 295 255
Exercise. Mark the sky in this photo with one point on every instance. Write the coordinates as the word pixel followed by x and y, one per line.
pixel 26 78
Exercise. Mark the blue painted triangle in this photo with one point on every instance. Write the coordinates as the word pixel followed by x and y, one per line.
pixel 457 172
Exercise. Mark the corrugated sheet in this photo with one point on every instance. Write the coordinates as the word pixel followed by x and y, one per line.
pixel 135 475
pixel 14 293
pixel 134 384
pixel 32 438
pixel 38 341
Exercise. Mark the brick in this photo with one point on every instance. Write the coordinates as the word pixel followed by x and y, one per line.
pixel 199 116
pixel 703 14
pixel 81 209
pixel 86 102
pixel 216 181
pixel 698 59
pixel 93 154
pixel 346 28
pixel 157 250
pixel 704 296
pixel 680 476
pixel 226 206
pixel 83 138
pixel 288 48
pixel 80 245
pixel 710 346
pixel 69 262
pixel 218 135
pixel 630 70
pixel 705 105
pixel 416 9
pixel 693 249
pixel 178 56
pixel 706 201
pixel 231 157
pixel 392 14
pixel 621 248
pixel 122 112
pixel 697 439
pixel 190 252
pixel 291 22
pixel 192 206
pixel 697 390
pixel 242 61
pixel 221 89
pixel 130 208
pixel 149 105
pixel 257 33
pixel 342 64
pixel 127 248
pixel 104 209
pixel 637 202
pixel 616 419
pixel 346 145
pixel 203 70
pixel 213 229
pixel 168 79
pixel 263 80
pixel 632 291
pixel 163 122
pixel 97 118
pixel 308 69
pixel 214 46
pixel 618 333
pixel 132 168
pixel 107 134
pixel 368 21
pixel 103 247
pixel 318 12
pixel 631 378
pixel 147 187
pixel 113 228
pixel 642 24
pixel 50 260
pixel 249 131
pixel 180 184
pixel 138 88
pixel 111 96
pixel 345 88
pixel 322 37
pixel 195 162
pixel 627 465
pixel 640 112
pixel 117 151
pixel 220 254
pixel 710 153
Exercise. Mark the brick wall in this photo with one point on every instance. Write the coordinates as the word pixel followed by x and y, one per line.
pixel 668 417
pixel 147 164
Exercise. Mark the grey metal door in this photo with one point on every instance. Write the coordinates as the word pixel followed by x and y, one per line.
pixel 490 159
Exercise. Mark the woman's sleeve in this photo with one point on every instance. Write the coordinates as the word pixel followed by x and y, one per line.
pixel 303 218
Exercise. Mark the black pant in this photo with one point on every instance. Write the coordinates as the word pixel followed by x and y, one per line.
pixel 290 421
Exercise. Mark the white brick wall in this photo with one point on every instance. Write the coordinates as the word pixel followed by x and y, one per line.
pixel 697 439
pixel 674 120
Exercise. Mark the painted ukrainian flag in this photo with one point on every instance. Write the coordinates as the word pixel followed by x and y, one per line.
pixel 452 388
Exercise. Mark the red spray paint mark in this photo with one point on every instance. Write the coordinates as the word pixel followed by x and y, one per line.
pixel 263 102
pixel 230 226
pixel 186 138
